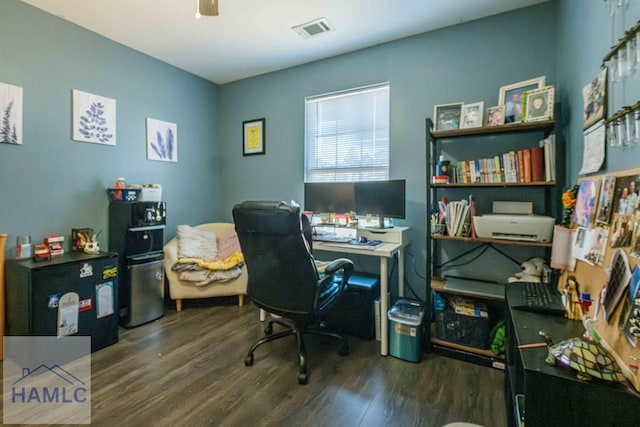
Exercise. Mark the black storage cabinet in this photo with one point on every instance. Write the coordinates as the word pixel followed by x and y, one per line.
pixel 353 314
pixel 33 287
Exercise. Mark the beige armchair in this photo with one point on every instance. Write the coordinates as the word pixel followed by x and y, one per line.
pixel 179 289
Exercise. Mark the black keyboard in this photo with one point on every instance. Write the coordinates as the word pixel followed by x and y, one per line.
pixel 540 296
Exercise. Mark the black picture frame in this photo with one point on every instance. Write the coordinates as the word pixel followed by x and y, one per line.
pixel 253 137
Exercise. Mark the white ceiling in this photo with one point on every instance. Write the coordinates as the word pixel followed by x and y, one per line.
pixel 252 37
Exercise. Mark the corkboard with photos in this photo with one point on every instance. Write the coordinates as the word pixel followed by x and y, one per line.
pixel 606 244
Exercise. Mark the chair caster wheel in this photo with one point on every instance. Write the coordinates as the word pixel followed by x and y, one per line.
pixel 248 361
pixel 303 378
pixel 343 350
pixel 268 330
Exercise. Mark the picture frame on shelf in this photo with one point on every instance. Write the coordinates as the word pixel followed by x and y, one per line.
pixel 472 115
pixel 511 97
pixel 253 141
pixel 594 95
pixel 447 116
pixel 538 104
pixel 495 115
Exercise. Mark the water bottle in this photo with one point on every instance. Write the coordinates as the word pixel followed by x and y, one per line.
pixel 120 183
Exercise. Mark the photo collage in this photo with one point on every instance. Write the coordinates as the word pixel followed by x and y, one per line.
pixel 607 216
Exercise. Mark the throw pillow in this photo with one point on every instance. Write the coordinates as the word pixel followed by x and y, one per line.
pixel 195 243
pixel 228 245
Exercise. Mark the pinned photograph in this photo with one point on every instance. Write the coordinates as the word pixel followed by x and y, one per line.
pixel 605 202
pixel 594 95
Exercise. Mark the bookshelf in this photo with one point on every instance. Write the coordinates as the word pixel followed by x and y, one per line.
pixel 490 142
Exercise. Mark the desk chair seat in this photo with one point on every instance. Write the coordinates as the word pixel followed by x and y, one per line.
pixel 283 279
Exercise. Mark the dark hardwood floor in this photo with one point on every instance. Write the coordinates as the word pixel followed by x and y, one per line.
pixel 187 369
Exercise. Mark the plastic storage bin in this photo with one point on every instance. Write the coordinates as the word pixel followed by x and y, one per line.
pixel 405 329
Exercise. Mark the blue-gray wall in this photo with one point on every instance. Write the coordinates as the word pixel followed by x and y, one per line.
pixel 464 63
pixel 51 183
pixel 584 38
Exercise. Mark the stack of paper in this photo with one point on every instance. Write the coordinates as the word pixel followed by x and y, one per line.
pixel 457 214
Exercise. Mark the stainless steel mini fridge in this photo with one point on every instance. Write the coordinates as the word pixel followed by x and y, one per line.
pixel 136 233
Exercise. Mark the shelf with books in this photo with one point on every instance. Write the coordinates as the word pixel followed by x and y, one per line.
pixel 508 163
pixel 495 184
pixel 496 241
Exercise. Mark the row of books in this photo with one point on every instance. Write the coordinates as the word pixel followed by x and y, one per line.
pixel 458 219
pixel 535 164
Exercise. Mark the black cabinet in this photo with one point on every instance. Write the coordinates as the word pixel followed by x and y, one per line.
pixel 34 290
pixel 553 395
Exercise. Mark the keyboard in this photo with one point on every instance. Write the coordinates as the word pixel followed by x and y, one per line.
pixel 540 297
pixel 331 238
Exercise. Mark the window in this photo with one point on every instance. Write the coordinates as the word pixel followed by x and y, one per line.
pixel 347 135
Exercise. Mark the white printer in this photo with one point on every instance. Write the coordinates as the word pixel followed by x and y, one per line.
pixel 514 221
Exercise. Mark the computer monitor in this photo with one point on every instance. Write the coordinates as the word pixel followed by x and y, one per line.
pixel 329 197
pixel 381 198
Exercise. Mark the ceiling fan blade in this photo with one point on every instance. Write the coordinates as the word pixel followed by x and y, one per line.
pixel 208 7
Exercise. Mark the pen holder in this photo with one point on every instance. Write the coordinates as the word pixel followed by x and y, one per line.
pixel 438 229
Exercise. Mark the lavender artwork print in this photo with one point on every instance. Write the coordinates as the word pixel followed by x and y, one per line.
pixel 162 140
pixel 10 114
pixel 94 118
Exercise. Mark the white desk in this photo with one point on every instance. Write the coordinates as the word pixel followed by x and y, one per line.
pixel 384 252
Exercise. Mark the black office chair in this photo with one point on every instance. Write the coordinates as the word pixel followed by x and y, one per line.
pixel 283 278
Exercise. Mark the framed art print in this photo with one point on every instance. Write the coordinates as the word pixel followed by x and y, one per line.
pixel 162 141
pixel 538 104
pixel 94 118
pixel 447 116
pixel 495 115
pixel 511 97
pixel 472 115
pixel 253 137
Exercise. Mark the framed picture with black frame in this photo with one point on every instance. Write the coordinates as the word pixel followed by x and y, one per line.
pixel 253 137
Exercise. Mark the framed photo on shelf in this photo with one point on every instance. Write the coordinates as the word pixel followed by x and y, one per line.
pixel 595 99
pixel 495 115
pixel 538 104
pixel 511 97
pixel 253 137
pixel 472 115
pixel 447 116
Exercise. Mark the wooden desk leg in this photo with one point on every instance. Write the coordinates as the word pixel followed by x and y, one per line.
pixel 384 307
pixel 401 272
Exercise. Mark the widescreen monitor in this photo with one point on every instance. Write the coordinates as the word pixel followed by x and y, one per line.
pixel 381 199
pixel 329 197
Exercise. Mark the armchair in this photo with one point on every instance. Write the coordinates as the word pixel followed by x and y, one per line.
pixel 283 278
pixel 180 289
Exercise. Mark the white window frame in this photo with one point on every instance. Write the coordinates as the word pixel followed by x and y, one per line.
pixel 347 135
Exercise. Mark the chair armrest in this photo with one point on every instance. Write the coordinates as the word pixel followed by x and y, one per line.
pixel 340 264
pixel 344 264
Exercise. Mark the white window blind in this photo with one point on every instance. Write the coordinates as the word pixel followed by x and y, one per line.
pixel 347 135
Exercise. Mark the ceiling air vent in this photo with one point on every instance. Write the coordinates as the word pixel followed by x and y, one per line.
pixel 313 28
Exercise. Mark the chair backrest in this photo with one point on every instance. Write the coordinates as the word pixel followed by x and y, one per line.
pixel 282 274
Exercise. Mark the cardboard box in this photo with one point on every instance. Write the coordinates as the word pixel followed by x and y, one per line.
pixel 468 307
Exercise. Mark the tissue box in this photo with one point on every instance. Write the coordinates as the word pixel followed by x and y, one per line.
pixel 151 194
